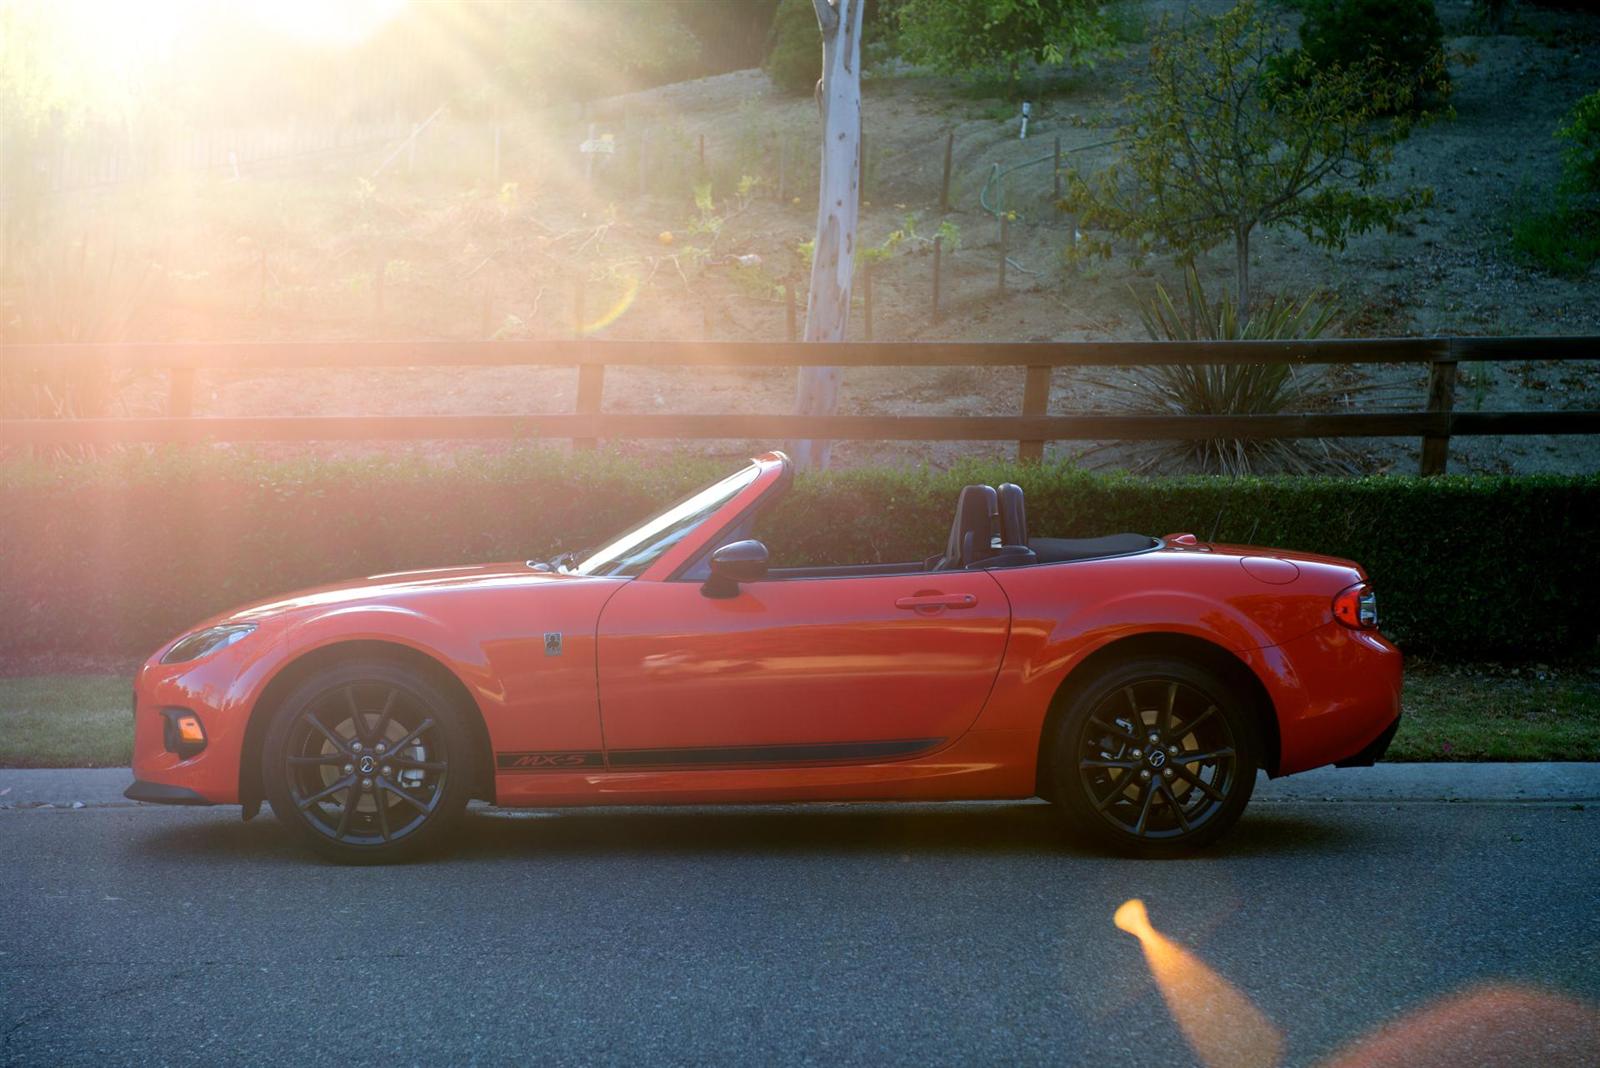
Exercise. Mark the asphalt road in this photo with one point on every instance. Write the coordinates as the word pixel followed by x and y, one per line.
pixel 837 934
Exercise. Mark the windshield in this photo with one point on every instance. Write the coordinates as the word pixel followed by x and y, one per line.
pixel 636 550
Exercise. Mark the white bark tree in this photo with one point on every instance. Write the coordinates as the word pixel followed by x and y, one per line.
pixel 838 206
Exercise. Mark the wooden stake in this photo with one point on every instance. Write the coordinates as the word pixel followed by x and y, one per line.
pixel 377 289
pixel 938 256
pixel 789 300
pixel 866 299
pixel 1003 236
pixel 782 146
pixel 944 186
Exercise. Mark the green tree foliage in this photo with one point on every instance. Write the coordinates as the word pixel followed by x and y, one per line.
pixel 972 36
pixel 1223 140
pixel 1580 160
pixel 1560 230
pixel 795 62
pixel 1403 38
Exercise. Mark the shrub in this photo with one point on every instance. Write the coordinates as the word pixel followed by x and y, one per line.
pixel 1580 160
pixel 1562 234
pixel 1404 36
pixel 1232 389
pixel 121 555
pixel 795 62
pixel 1563 239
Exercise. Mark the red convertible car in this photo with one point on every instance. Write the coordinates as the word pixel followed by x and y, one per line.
pixel 1138 683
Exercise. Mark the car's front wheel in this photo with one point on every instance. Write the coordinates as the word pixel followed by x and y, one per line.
pixel 367 762
pixel 1155 757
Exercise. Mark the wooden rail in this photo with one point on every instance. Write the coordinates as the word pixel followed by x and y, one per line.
pixel 1031 429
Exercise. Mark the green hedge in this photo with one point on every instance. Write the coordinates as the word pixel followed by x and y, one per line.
pixel 119 555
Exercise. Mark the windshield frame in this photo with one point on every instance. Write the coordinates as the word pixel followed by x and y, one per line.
pixel 675 526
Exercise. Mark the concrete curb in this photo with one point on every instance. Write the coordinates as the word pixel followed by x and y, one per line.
pixel 25 788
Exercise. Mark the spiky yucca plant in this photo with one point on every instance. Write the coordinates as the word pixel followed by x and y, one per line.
pixel 1233 389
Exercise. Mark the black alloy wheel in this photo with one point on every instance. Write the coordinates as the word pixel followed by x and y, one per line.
pixel 1156 757
pixel 367 763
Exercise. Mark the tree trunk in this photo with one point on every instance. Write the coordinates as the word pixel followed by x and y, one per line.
pixel 838 205
pixel 1241 253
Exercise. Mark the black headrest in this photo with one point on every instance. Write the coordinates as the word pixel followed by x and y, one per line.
pixel 1013 515
pixel 972 532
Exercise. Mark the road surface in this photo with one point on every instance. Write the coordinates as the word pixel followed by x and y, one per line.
pixel 792 935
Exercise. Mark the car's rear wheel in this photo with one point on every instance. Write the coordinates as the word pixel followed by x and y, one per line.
pixel 367 763
pixel 1155 757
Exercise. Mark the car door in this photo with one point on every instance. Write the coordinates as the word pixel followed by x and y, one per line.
pixel 793 671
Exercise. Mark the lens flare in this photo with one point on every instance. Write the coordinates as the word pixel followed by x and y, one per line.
pixel 630 290
pixel 1219 1023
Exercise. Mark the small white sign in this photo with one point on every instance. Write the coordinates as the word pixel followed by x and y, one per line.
pixel 603 145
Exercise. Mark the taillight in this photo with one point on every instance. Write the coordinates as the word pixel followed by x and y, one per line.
pixel 1357 607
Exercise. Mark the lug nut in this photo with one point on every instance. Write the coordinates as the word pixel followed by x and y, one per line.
pixel 1167 773
pixel 1154 738
pixel 1137 753
pixel 366 784
pixel 1144 773
pixel 1172 750
pixel 380 747
pixel 356 746
pixel 387 770
pixel 348 768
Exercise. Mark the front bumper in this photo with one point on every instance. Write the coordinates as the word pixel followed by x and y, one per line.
pixel 156 793
pixel 219 690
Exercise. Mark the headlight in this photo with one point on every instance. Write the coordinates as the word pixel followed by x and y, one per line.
pixel 204 642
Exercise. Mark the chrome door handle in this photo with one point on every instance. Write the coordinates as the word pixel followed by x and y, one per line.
pixel 925 602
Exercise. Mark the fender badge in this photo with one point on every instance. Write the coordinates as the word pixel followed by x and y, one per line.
pixel 552 643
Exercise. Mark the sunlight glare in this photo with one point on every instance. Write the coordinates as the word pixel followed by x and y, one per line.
pixel 1218 1021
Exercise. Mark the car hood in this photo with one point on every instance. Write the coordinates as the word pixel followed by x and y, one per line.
pixel 395 588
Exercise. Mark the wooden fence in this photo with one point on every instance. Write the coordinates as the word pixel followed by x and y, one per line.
pixel 1030 428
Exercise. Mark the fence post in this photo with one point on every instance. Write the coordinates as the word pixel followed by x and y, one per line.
pixel 944 186
pixel 1441 398
pixel 1035 401
pixel 938 257
pixel 591 377
pixel 180 392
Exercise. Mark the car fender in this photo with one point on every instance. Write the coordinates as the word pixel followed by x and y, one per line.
pixel 1057 625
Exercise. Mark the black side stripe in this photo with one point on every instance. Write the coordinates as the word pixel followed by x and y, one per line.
pixel 803 753
pixel 715 756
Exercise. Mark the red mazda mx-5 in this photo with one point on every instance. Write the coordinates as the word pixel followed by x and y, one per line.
pixel 1136 682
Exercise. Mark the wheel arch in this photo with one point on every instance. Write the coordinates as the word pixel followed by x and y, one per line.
pixel 290 674
pixel 1197 650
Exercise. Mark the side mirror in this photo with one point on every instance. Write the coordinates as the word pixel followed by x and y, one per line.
pixel 736 562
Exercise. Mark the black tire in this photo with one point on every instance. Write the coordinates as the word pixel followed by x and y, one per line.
pixel 1148 800
pixel 367 762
